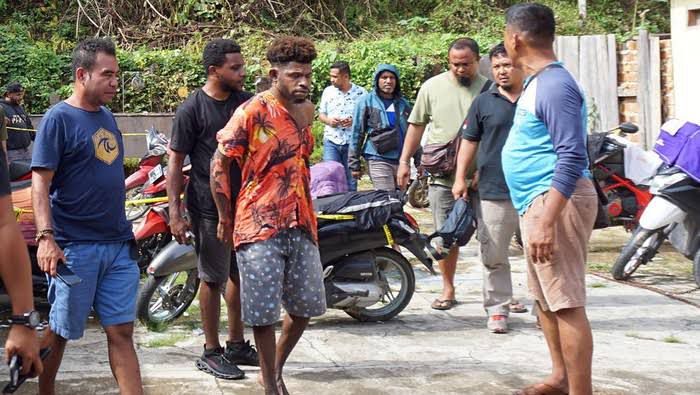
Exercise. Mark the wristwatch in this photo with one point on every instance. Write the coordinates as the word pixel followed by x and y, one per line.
pixel 30 319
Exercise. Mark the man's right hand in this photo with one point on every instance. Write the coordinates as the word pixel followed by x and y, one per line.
pixel 48 255
pixel 334 121
pixel 179 227
pixel 22 341
pixel 460 190
pixel 356 174
pixel 403 175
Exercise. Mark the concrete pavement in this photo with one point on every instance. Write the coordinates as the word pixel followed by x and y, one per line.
pixel 645 343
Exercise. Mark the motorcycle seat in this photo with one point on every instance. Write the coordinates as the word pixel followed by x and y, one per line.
pixel 19 169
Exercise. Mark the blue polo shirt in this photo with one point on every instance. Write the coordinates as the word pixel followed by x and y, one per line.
pixel 546 147
pixel 86 152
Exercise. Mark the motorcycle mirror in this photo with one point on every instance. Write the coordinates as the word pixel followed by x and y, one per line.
pixel 628 128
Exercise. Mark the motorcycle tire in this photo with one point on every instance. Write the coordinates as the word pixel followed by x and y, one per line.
pixel 418 193
pixel 641 247
pixel 386 257
pixel 135 212
pixel 696 268
pixel 145 304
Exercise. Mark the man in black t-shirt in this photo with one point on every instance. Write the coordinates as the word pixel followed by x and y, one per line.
pixel 19 138
pixel 197 120
pixel 485 129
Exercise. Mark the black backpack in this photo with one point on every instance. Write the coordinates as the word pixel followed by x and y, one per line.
pixel 459 227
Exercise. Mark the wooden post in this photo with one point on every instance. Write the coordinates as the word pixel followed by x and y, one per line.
pixel 654 89
pixel 644 88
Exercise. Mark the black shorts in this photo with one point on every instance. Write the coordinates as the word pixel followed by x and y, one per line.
pixel 216 261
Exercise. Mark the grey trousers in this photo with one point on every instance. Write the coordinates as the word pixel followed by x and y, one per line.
pixel 498 221
pixel 382 174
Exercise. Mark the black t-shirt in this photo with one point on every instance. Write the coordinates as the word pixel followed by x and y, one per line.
pixel 4 175
pixel 197 121
pixel 489 121
pixel 17 118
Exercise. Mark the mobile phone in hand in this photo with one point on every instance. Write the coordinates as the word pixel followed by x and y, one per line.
pixel 16 378
pixel 66 275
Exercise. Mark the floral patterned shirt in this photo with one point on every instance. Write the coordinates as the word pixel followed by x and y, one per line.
pixel 339 104
pixel 273 154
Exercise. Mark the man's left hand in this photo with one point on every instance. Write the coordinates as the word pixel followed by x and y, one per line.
pixel 540 242
pixel 224 231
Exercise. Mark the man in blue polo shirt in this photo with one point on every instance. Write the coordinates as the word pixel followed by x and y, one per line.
pixel 78 197
pixel 546 167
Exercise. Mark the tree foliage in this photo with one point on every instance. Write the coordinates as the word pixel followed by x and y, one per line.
pixel 160 41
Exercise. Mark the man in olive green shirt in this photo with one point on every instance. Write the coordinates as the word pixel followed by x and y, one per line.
pixel 443 102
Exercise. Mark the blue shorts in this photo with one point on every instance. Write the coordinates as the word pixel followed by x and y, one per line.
pixel 110 282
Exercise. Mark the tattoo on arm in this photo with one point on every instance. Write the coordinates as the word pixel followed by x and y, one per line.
pixel 220 184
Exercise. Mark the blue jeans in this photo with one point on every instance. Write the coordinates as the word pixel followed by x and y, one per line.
pixel 339 153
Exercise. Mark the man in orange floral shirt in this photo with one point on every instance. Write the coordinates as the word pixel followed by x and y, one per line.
pixel 275 233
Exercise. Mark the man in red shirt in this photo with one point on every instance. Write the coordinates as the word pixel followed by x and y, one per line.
pixel 275 233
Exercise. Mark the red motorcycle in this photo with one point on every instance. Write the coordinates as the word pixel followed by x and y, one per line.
pixel 626 200
pixel 150 168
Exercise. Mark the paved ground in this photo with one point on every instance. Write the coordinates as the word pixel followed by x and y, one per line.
pixel 645 343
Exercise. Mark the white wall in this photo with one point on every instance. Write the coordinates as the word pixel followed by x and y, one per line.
pixel 686 60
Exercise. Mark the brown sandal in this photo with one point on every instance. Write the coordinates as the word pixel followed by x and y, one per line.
pixel 540 389
pixel 446 304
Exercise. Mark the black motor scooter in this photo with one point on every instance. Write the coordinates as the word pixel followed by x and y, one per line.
pixel 363 275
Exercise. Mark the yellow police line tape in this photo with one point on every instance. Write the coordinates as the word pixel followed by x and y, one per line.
pixel 19 211
pixel 14 129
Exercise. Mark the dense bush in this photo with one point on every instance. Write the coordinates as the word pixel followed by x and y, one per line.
pixel 36 38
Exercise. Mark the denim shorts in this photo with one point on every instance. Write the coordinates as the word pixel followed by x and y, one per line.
pixel 110 283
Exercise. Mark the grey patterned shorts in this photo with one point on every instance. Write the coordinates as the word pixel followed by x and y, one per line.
pixel 285 269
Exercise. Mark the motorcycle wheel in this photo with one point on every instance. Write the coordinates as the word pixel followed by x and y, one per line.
pixel 639 250
pixel 164 299
pixel 696 268
pixel 418 193
pixel 398 281
pixel 135 212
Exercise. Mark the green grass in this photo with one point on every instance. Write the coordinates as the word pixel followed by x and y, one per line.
pixel 166 341
pixel 672 339
pixel 598 285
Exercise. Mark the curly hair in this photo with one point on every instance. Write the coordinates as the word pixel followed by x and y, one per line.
pixel 287 49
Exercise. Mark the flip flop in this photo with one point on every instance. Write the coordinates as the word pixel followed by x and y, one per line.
pixel 517 307
pixel 540 389
pixel 439 304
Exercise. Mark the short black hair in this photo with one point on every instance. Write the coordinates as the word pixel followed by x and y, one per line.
pixel 215 52
pixel 342 66
pixel 14 87
pixel 464 43
pixel 535 20
pixel 85 53
pixel 498 50
pixel 288 49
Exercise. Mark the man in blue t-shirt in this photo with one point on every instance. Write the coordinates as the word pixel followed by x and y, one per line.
pixel 78 196
pixel 546 168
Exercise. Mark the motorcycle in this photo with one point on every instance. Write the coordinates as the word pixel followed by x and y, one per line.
pixel 674 212
pixel 363 275
pixel 150 170
pixel 418 189
pixel 626 200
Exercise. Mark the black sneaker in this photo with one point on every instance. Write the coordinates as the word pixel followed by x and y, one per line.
pixel 241 353
pixel 214 363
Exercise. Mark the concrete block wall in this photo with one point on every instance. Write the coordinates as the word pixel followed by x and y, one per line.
pixel 628 78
